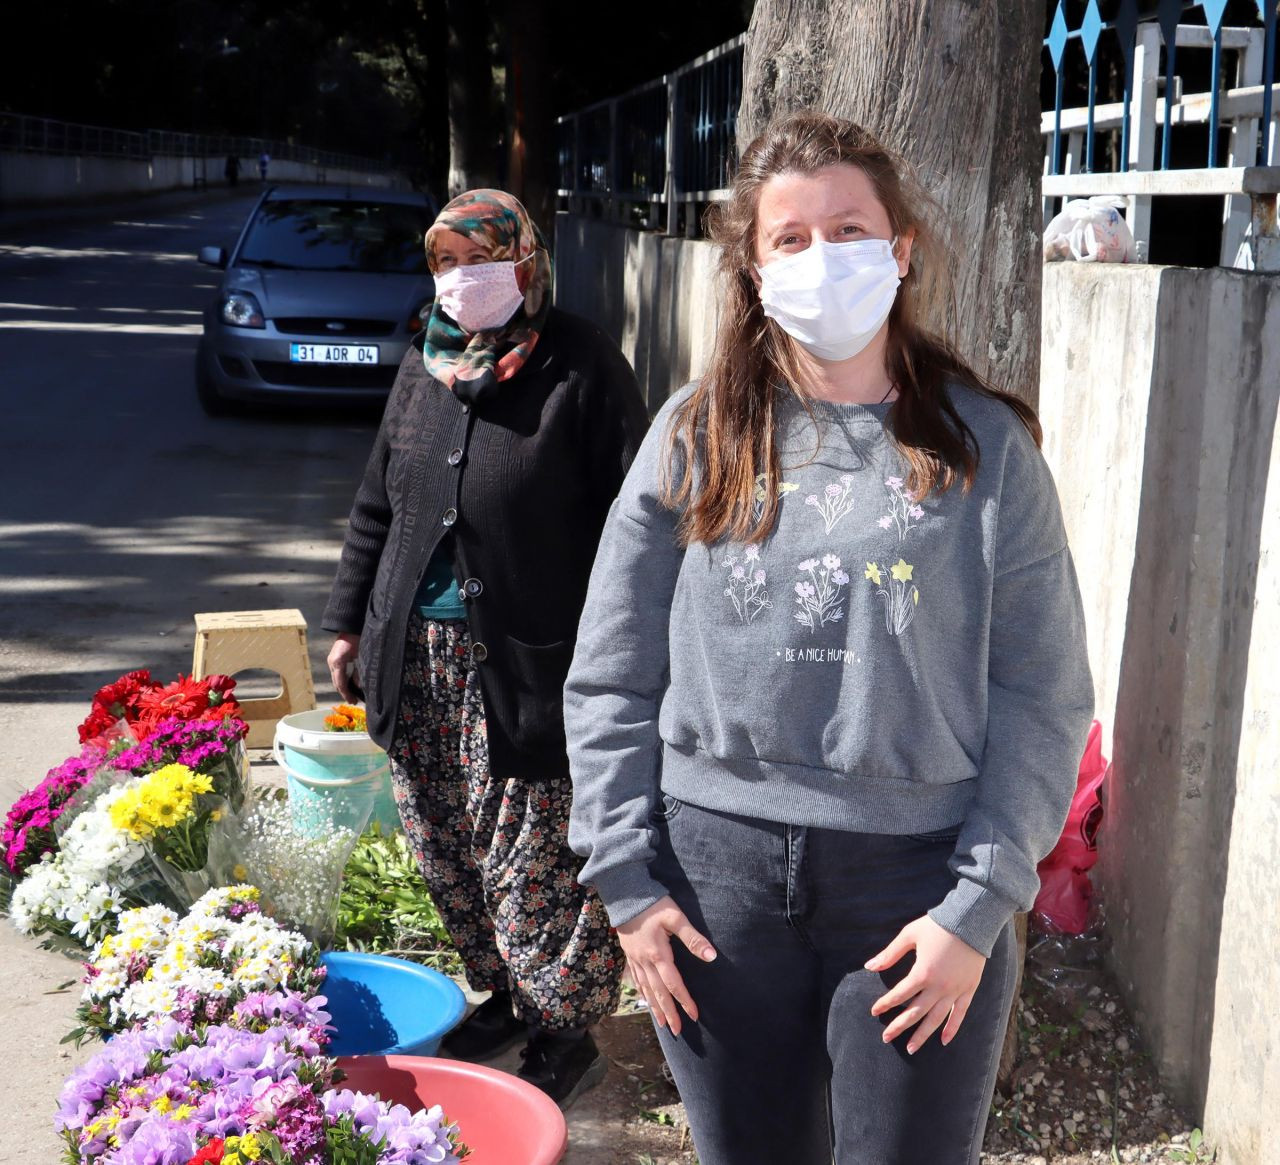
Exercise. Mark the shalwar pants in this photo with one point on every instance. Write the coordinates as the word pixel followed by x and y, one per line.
pixel 495 853
pixel 786 1062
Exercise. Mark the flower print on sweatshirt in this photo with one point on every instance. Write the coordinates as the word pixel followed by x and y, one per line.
pixel 894 584
pixel 762 494
pixel 905 512
pixel 819 596
pixel 834 502
pixel 746 589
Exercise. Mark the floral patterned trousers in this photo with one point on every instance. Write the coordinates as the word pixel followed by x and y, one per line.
pixel 494 853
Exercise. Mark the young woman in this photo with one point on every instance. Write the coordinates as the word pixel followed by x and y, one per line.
pixel 463 573
pixel 830 688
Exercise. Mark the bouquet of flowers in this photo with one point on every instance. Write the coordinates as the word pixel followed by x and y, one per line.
pixel 164 1093
pixel 214 748
pixel 78 891
pixel 170 810
pixel 142 703
pixel 28 827
pixel 346 718
pixel 300 875
pixel 202 968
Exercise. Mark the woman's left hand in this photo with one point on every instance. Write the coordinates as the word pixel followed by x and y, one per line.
pixel 939 987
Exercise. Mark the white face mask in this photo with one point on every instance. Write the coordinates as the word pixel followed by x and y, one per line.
pixel 481 296
pixel 832 297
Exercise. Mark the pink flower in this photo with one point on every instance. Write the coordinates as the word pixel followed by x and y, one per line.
pixel 893 482
pixel 885 522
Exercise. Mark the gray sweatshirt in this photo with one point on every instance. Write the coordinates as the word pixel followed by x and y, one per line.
pixel 879 663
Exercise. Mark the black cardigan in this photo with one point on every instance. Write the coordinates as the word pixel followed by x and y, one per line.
pixel 521 484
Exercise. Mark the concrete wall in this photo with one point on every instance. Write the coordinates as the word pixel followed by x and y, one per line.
pixel 36 179
pixel 654 294
pixel 1158 395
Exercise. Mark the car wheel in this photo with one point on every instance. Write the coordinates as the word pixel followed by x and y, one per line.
pixel 211 400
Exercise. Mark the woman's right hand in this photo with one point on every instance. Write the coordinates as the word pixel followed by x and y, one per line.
pixel 343 653
pixel 646 941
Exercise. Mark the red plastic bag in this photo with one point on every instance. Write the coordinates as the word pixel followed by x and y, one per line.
pixel 1062 906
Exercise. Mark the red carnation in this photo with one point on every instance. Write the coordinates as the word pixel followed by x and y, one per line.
pixel 119 700
pixel 211 1154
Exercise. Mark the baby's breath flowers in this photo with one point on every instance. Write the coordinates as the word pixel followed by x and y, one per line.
pixel 299 875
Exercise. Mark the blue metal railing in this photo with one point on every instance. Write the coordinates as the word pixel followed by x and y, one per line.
pixel 1125 24
pixel 671 141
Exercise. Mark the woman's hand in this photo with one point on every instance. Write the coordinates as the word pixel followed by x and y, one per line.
pixel 939 987
pixel 342 654
pixel 646 941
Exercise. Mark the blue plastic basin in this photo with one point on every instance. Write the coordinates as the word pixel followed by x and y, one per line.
pixel 383 1006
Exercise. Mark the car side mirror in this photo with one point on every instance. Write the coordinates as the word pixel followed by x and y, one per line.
pixel 213 256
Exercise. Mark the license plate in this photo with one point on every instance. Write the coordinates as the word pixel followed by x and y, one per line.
pixel 333 353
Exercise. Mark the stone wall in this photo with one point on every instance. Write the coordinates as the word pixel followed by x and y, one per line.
pixel 29 180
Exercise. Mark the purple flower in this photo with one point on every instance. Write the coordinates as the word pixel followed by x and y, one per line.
pixel 839 577
pixel 893 482
pixel 832 491
pixel 885 522
pixel 917 512
pixel 805 590
pixel 811 500
pixel 759 576
pixel 739 571
pixel 751 553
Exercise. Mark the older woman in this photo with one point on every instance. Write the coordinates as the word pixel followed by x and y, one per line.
pixel 456 602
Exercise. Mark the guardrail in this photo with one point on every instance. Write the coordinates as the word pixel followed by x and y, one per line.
pixel 1137 131
pixel 21 133
pixel 666 146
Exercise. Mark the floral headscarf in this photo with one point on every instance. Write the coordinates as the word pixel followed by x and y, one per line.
pixel 474 365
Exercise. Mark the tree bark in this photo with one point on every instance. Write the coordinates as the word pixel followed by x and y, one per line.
pixel 473 123
pixel 531 123
pixel 953 86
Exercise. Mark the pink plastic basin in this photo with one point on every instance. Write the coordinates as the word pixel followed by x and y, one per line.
pixel 503 1120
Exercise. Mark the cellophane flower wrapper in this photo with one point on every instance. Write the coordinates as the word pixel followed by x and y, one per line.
pixel 78 892
pixel 300 876
pixel 214 748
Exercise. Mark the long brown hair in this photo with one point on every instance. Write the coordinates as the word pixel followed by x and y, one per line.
pixel 726 427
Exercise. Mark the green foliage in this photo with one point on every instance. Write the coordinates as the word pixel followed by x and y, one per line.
pixel 385 906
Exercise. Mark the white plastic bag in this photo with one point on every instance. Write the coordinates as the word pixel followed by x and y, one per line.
pixel 1090 230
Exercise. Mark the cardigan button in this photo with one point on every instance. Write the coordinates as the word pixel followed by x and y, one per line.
pixel 455 458
pixel 479 653
pixel 473 588
pixel 450 516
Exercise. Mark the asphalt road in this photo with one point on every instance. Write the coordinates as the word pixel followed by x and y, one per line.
pixel 123 512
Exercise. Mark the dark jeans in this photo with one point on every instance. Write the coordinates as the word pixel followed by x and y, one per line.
pixel 786 1063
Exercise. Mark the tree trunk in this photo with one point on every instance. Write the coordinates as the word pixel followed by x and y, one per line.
pixel 531 124
pixel 473 126
pixel 952 85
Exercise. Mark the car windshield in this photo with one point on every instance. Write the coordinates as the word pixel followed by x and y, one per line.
pixel 314 235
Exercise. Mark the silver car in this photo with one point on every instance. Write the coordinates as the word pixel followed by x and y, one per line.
pixel 321 296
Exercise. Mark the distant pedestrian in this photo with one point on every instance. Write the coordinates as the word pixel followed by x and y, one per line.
pixel 264 161
pixel 507 434
pixel 232 170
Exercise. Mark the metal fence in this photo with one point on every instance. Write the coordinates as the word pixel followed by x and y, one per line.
pixel 1125 148
pixel 668 145
pixel 20 133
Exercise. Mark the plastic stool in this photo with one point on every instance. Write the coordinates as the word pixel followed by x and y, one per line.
pixel 233 641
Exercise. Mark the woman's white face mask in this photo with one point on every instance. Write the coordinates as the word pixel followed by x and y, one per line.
pixel 832 297
pixel 480 297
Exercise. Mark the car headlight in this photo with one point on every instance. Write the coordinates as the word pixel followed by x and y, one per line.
pixel 241 310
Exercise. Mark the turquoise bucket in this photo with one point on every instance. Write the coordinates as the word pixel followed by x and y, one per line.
pixel 335 779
